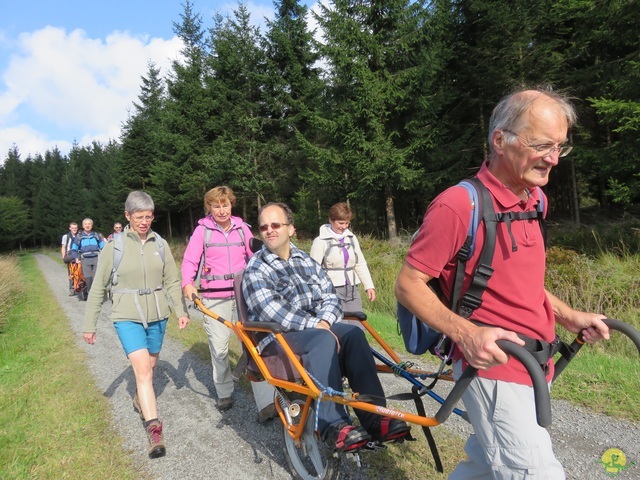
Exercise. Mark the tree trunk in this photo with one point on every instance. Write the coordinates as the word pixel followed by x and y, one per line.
pixel 574 191
pixel 169 230
pixel 391 216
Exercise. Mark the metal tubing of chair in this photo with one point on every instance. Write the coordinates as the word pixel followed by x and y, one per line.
pixel 209 313
pixel 385 346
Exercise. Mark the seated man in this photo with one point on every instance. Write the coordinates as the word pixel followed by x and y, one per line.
pixel 283 284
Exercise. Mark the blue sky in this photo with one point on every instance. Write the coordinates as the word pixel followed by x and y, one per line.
pixel 70 69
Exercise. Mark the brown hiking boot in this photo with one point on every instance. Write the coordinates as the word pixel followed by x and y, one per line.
pixel 136 406
pixel 224 404
pixel 156 439
pixel 267 413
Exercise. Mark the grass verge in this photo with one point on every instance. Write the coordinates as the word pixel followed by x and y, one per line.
pixel 53 422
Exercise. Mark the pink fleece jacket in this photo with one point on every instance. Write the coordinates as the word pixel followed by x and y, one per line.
pixel 228 255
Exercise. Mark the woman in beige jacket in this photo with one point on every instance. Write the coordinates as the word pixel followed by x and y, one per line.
pixel 338 252
pixel 144 287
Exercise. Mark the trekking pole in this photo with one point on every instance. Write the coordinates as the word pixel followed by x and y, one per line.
pixel 570 351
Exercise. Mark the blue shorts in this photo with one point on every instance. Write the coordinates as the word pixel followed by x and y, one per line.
pixel 133 336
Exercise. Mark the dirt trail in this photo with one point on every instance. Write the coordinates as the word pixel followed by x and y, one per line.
pixel 205 443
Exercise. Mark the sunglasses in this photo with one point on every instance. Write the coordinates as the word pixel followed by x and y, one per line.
pixel 274 226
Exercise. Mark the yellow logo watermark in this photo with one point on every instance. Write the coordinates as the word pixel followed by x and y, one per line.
pixel 614 461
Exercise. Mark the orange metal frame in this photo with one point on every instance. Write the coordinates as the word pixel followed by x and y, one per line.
pixel 307 386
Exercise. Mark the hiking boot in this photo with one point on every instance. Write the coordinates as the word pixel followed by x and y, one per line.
pixel 391 430
pixel 344 438
pixel 224 403
pixel 136 406
pixel 267 413
pixel 156 439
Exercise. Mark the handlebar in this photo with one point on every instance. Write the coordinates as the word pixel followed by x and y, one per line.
pixel 540 387
pixel 577 344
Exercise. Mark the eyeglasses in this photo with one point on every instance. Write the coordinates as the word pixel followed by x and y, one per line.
pixel 274 226
pixel 544 149
pixel 117 228
pixel 146 218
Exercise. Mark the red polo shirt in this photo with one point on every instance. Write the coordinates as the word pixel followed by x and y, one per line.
pixel 515 298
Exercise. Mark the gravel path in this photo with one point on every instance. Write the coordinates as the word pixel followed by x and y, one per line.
pixel 205 443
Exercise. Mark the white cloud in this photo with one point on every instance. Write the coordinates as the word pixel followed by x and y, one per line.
pixel 67 82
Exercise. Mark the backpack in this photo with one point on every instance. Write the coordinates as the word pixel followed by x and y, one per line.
pixel 70 254
pixel 207 243
pixel 331 243
pixel 418 336
pixel 88 249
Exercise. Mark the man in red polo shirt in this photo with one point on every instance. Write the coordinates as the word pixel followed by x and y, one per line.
pixel 528 134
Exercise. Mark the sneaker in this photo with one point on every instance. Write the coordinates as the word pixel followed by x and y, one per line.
pixel 344 438
pixel 225 403
pixel 72 293
pixel 136 406
pixel 156 439
pixel 267 413
pixel 391 430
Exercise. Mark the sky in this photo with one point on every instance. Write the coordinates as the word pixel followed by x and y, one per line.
pixel 70 69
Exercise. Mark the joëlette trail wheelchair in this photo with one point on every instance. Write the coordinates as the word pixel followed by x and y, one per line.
pixel 296 393
pixel 79 283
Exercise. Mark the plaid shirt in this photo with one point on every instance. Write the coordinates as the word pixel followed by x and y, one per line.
pixel 297 293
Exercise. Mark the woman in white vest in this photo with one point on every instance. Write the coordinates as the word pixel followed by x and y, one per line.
pixel 338 251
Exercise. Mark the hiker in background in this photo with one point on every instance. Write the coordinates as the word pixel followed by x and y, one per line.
pixel 217 251
pixel 147 277
pixel 527 137
pixel 117 228
pixel 338 252
pixel 67 253
pixel 285 285
pixel 88 245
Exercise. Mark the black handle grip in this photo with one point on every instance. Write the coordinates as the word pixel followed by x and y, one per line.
pixel 456 393
pixel 576 345
pixel 540 387
pixel 625 328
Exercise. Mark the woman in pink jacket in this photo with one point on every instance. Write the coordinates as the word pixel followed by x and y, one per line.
pixel 217 251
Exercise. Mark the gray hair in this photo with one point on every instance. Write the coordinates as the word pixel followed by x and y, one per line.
pixel 138 201
pixel 511 112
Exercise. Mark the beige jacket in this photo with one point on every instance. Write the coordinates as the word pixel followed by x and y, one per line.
pixel 326 251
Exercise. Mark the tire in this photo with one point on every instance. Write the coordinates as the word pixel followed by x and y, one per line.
pixel 311 460
pixel 84 294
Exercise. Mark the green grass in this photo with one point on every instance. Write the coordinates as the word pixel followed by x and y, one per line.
pixel 54 423
pixel 602 383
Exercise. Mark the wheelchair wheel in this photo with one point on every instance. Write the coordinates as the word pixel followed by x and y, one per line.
pixel 310 460
pixel 84 294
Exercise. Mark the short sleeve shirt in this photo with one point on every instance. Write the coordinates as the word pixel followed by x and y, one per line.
pixel 515 298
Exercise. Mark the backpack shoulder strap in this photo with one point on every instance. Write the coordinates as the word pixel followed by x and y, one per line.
pixel 160 243
pixel 472 298
pixel 118 252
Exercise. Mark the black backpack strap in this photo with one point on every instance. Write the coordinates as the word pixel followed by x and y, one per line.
pixel 472 298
